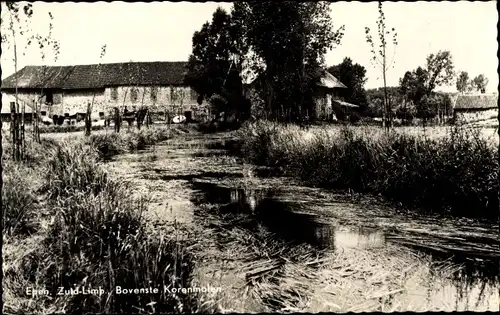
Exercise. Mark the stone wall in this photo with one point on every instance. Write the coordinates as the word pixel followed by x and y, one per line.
pixel 174 100
pixel 476 115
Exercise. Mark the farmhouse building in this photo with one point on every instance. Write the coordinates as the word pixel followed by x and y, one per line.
pixel 326 99
pixel 67 90
pixel 475 108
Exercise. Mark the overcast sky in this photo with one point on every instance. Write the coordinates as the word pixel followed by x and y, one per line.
pixel 162 31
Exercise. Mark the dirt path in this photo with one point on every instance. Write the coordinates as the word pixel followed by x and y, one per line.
pixel 273 245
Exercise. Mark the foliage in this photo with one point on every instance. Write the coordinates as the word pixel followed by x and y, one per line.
pixel 18 27
pixel 440 70
pixel 290 39
pixel 354 77
pixel 283 43
pixel 215 65
pixel 418 85
pixel 463 82
pixel 480 82
pixel 110 144
pixel 18 199
pixel 380 57
pixel 98 238
pixel 376 98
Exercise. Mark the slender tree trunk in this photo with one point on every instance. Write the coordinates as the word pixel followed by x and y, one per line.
pixel 141 111
pixel 37 116
pixel 16 139
pixel 13 129
pixel 88 119
pixel 386 100
pixel 117 120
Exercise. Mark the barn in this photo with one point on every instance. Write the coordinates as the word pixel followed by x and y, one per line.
pixel 66 91
pixel 475 108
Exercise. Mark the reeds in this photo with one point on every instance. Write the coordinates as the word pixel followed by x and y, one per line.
pixel 116 143
pixel 454 173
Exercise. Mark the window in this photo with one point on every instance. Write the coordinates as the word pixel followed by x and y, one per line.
pixel 154 93
pixel 49 97
pixel 194 95
pixel 114 93
pixel 133 94
pixel 101 115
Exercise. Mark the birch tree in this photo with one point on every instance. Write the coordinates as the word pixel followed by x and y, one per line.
pixel 379 56
pixel 17 33
pixel 90 106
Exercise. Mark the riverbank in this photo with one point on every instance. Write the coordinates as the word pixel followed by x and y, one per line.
pixel 69 225
pixel 266 243
pixel 274 245
pixel 452 172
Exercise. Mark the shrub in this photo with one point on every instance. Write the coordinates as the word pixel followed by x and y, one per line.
pixel 111 144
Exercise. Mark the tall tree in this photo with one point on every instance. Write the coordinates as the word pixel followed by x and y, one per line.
pixel 440 70
pixel 414 84
pixel 215 65
pixel 463 82
pixel 354 77
pixel 480 82
pixel 380 57
pixel 289 41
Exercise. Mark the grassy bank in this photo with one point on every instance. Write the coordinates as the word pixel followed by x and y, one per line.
pixel 69 224
pixel 112 143
pixel 455 173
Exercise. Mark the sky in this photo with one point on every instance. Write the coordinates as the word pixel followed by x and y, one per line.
pixel 162 31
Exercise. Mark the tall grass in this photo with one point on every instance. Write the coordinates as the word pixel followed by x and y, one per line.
pixel 18 200
pixel 454 174
pixel 96 237
pixel 116 143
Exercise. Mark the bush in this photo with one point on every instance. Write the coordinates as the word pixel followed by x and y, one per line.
pixel 111 144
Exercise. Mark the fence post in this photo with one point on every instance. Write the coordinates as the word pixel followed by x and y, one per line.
pixel 23 141
pixel 15 131
pixel 117 120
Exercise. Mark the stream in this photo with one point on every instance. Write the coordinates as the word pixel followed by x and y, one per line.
pixel 272 244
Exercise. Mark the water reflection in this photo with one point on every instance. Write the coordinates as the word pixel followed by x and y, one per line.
pixel 288 219
pixel 292 220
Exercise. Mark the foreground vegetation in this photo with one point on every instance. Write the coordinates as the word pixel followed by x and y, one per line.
pixel 455 173
pixel 68 224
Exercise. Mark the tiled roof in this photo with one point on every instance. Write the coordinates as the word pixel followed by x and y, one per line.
pixel 345 104
pixel 327 80
pixel 477 101
pixel 98 76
